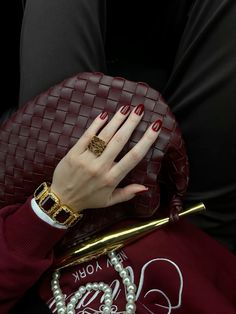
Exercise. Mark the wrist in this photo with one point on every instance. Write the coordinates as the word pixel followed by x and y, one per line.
pixel 43 216
pixel 51 205
pixel 64 197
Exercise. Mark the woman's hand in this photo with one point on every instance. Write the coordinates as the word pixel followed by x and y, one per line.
pixel 83 180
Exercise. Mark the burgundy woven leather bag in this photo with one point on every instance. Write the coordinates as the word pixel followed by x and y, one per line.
pixel 35 138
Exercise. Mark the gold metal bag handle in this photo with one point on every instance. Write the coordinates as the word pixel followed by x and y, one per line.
pixel 110 241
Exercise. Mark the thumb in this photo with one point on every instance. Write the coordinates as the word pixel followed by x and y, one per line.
pixel 125 194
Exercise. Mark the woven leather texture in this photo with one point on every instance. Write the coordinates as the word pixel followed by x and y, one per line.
pixel 35 138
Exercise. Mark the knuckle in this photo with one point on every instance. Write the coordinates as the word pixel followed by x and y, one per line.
pixel 72 159
pixel 93 171
pixel 118 138
pixel 75 161
pixel 119 117
pixel 125 196
pixel 109 181
pixel 150 136
pixel 104 134
pixel 121 168
pixel 135 156
pixel 133 118
pixel 87 135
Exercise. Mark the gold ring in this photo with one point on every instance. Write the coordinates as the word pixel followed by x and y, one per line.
pixel 96 145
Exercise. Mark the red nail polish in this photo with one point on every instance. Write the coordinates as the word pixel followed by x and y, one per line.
pixel 103 115
pixel 157 125
pixel 139 110
pixel 141 192
pixel 125 109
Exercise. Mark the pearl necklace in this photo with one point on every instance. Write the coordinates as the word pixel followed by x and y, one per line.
pixel 62 308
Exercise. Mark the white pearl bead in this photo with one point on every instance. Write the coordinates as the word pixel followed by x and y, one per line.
pixel 131 287
pixel 82 289
pixel 108 290
pixel 108 302
pixel 59 298
pixel 95 286
pixel 101 285
pixel 60 304
pixel 111 254
pixel 114 260
pixel 56 275
pixel 73 300
pixel 118 267
pixel 106 309
pixel 61 307
pixel 123 273
pixel 105 287
pixel 78 295
pixel 71 312
pixel 131 307
pixel 61 310
pixel 130 297
pixel 70 306
pixel 56 292
pixel 107 297
pixel 55 288
pixel 55 282
pixel 126 281
pixel 89 286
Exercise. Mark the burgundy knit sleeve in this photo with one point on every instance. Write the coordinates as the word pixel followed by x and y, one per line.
pixel 26 246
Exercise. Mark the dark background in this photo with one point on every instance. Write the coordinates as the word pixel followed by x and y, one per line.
pixel 166 21
pixel 10 38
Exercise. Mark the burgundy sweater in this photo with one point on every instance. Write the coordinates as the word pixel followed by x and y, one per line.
pixel 178 269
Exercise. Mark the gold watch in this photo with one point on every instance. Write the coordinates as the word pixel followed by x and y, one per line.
pixel 50 203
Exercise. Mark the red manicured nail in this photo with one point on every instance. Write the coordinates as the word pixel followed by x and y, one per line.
pixel 103 115
pixel 139 110
pixel 141 192
pixel 125 109
pixel 157 125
